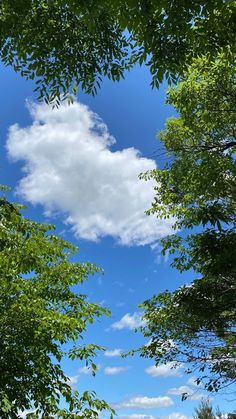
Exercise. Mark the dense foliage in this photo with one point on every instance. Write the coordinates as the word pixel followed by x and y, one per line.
pixel 69 43
pixel 39 315
pixel 198 188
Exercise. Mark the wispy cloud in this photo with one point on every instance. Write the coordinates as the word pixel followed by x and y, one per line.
pixel 164 370
pixel 193 394
pixel 129 321
pixel 144 402
pixel 73 380
pixel 85 370
pixel 176 415
pixel 24 414
pixel 113 352
pixel 137 416
pixel 120 304
pixel 164 345
pixel 115 370
pixel 70 167
pixel 192 381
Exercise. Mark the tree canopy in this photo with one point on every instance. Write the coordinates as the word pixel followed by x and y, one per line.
pixel 42 320
pixel 64 44
pixel 198 188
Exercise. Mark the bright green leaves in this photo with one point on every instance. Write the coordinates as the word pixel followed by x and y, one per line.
pixel 198 188
pixel 209 252
pixel 199 323
pixel 71 45
pixel 62 43
pixel 39 313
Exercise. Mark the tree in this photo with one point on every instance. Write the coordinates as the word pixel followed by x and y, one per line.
pixel 64 44
pixel 205 411
pixel 41 320
pixel 197 187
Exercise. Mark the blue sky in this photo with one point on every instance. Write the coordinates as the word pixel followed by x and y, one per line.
pixel 80 172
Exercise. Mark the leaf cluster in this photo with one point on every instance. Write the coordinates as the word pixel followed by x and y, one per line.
pixel 41 320
pixel 197 187
pixel 66 44
pixel 62 44
pixel 205 411
pixel 198 321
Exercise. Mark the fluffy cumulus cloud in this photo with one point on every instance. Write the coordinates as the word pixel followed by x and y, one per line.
pixel 129 321
pixel 114 370
pixel 144 402
pixel 70 167
pixel 164 370
pixel 112 353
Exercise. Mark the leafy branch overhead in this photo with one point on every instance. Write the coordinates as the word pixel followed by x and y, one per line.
pixel 198 187
pixel 39 315
pixel 64 45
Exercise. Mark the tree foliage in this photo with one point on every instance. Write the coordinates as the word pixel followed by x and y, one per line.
pixel 205 411
pixel 198 188
pixel 64 44
pixel 41 320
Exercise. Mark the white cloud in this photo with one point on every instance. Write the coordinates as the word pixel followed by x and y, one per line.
pixel 137 416
pixel 25 413
pixel 176 415
pixel 164 345
pixel 144 402
pixel 164 370
pixel 120 304
pixel 114 370
pixel 192 394
pixel 73 380
pixel 192 382
pixel 129 321
pixel 179 390
pixel 70 167
pixel 86 370
pixel 113 352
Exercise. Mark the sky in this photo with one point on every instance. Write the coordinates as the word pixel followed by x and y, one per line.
pixel 78 167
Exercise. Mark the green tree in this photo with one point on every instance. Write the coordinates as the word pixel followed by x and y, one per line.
pixel 41 320
pixel 69 43
pixel 205 411
pixel 198 188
